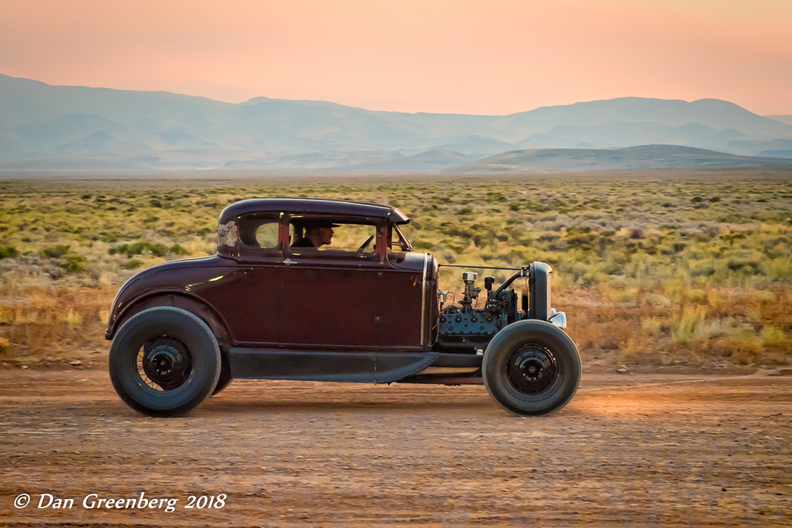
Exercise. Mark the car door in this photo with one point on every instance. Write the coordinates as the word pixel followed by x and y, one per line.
pixel 332 293
pixel 354 299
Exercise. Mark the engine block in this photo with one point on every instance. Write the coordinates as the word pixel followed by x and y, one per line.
pixel 455 322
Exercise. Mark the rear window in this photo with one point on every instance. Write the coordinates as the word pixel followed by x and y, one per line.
pixel 259 232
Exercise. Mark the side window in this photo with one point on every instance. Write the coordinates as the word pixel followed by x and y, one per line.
pixel 352 237
pixel 325 235
pixel 259 232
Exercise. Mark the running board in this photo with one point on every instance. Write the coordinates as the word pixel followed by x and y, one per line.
pixel 349 367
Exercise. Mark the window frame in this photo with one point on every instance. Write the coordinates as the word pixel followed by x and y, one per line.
pixel 377 223
pixel 276 218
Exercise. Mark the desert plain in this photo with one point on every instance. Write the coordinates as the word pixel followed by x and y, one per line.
pixel 677 289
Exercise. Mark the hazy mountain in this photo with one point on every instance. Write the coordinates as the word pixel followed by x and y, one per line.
pixel 713 113
pixel 68 128
pixel 617 134
pixel 641 157
pixel 786 119
pixel 476 145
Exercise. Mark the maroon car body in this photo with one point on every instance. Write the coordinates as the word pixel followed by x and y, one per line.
pixel 274 297
pixel 282 312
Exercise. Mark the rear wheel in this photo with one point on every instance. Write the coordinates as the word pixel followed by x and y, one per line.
pixel 164 361
pixel 531 368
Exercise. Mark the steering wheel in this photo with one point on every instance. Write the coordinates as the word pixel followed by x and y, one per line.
pixel 365 244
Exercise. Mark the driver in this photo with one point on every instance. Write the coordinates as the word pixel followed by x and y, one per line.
pixel 316 234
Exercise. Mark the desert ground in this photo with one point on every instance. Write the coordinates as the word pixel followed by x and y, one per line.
pixel 637 450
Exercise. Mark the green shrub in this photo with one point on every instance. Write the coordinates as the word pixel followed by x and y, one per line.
pixel 772 336
pixel 684 326
pixel 581 238
pixel 8 252
pixel 159 250
pixel 139 248
pixel 75 264
pixel 176 249
pixel 55 252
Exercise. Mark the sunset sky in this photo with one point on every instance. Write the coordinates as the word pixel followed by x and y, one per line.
pixel 476 57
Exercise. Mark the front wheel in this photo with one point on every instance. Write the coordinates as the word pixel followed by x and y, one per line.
pixel 531 368
pixel 164 361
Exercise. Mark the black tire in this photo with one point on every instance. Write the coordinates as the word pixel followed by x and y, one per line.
pixel 164 361
pixel 225 372
pixel 531 368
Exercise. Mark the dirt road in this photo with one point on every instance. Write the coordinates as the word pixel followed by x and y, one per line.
pixel 638 450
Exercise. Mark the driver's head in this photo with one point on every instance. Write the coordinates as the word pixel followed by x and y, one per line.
pixel 320 233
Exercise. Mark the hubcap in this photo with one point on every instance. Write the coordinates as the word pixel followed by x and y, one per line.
pixel 532 369
pixel 166 362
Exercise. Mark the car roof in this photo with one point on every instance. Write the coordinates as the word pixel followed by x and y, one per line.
pixel 311 205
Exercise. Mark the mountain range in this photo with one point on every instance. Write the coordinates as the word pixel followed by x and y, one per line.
pixel 47 128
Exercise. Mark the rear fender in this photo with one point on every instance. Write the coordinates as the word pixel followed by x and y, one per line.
pixel 178 300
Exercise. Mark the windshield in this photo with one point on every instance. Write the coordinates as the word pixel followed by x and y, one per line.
pixel 401 240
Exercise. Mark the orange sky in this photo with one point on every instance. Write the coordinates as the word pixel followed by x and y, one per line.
pixel 479 57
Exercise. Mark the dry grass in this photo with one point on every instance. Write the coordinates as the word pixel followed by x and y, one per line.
pixel 659 269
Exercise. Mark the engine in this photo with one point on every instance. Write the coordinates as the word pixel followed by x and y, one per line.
pixel 468 329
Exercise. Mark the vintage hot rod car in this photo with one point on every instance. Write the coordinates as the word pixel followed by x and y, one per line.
pixel 363 308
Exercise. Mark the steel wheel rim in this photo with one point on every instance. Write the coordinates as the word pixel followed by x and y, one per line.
pixel 532 372
pixel 164 364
